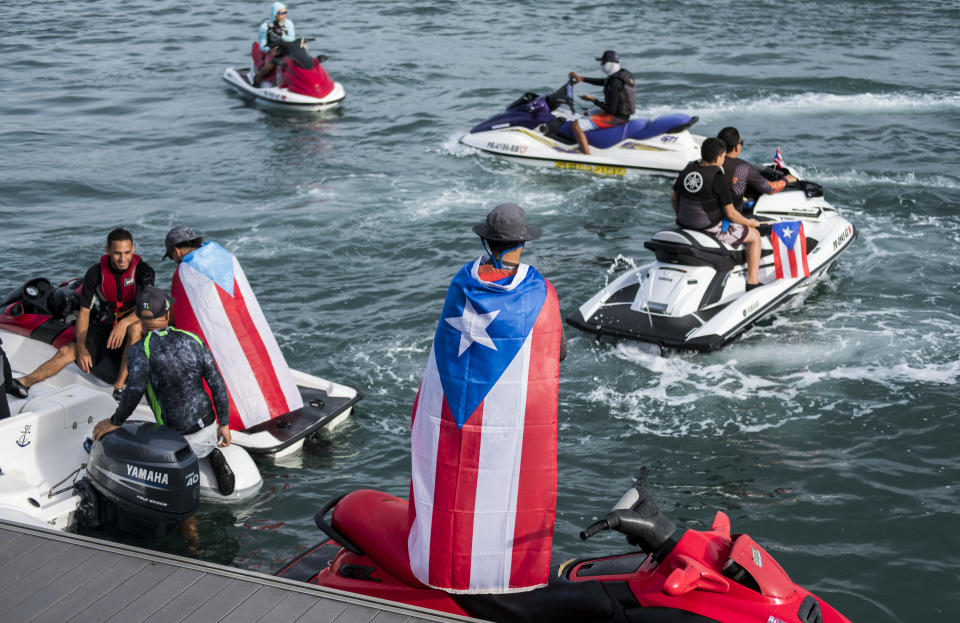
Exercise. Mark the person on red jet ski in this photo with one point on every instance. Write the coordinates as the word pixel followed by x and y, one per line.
pixel 103 339
pixel 620 99
pixel 274 33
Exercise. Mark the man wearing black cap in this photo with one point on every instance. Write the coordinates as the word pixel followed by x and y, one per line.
pixel 102 338
pixel 484 431
pixel 170 366
pixel 619 99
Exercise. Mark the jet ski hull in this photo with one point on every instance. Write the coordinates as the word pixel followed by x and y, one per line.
pixel 665 154
pixel 692 297
pixel 279 98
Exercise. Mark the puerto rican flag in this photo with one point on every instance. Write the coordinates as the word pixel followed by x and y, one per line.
pixel 484 437
pixel 789 250
pixel 214 300
pixel 778 159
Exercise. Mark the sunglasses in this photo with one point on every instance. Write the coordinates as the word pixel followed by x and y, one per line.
pixel 281 12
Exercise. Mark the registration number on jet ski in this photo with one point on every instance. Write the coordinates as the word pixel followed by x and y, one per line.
pixel 839 240
pixel 596 169
pixel 516 149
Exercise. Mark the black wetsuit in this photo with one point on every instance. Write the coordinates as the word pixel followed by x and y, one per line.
pixel 619 94
pixel 173 376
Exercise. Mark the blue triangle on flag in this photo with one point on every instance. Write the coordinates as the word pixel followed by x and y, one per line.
pixel 468 376
pixel 788 233
pixel 214 262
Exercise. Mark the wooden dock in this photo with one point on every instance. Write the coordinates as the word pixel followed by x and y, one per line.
pixel 59 577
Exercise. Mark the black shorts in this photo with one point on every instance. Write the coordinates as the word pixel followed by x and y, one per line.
pixel 106 361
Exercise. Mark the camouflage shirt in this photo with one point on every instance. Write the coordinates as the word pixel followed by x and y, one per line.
pixel 171 365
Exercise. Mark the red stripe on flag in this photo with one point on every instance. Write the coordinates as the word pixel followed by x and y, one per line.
pixel 792 258
pixel 803 251
pixel 454 497
pixel 185 318
pixel 537 485
pixel 777 259
pixel 257 356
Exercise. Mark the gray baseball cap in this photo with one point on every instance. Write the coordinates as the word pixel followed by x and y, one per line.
pixel 153 302
pixel 507 222
pixel 178 235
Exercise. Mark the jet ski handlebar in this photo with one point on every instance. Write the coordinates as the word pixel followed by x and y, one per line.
pixel 637 516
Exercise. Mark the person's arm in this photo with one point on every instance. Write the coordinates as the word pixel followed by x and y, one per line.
pixel 80 330
pixel 218 391
pixel 611 93
pixel 597 82
pixel 119 331
pixel 262 38
pixel 139 375
pixel 144 275
pixel 290 33
pixel 735 217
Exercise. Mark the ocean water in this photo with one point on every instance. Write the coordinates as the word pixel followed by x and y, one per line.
pixel 829 431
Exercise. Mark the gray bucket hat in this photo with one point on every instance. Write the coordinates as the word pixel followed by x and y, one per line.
pixel 508 223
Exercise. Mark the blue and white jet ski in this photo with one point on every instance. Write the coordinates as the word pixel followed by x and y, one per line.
pixel 693 295
pixel 534 130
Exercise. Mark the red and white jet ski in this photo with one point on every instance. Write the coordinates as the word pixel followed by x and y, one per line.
pixel 299 81
pixel 677 576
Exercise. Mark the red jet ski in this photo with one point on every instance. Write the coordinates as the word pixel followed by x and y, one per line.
pixel 677 576
pixel 299 81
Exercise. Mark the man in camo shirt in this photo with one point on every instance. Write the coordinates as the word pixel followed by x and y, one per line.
pixel 171 365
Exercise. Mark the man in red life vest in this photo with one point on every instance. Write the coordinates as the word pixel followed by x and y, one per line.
pixel 104 334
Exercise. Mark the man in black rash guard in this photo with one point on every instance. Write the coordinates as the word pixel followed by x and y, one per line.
pixel 619 99
pixel 102 337
pixel 703 200
pixel 171 365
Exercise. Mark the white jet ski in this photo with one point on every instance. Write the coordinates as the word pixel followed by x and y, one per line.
pixel 693 295
pixel 298 83
pixel 42 442
pixel 535 130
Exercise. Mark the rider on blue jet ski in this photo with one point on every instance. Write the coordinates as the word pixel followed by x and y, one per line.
pixel 620 99
pixel 273 34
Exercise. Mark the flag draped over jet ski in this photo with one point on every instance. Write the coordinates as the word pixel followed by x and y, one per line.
pixel 536 130
pixel 677 576
pixel 268 417
pixel 299 81
pixel 693 295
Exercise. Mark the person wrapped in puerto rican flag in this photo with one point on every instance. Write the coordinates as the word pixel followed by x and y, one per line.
pixel 484 433
pixel 215 301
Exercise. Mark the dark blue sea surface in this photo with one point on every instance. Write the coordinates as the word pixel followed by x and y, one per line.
pixel 829 432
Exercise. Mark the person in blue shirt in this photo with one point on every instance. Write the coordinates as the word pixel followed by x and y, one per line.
pixel 274 33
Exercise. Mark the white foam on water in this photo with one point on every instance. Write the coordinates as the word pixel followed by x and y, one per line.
pixel 812 103
pixel 857 178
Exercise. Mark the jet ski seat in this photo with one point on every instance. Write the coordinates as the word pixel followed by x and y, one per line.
pixel 694 248
pixel 376 523
pixel 638 129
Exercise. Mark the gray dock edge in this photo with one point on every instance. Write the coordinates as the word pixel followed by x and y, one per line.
pixel 58 577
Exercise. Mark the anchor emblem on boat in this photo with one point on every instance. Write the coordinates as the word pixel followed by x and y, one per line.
pixel 22 440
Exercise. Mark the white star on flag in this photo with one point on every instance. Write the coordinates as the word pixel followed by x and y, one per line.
pixel 473 327
pixel 787 232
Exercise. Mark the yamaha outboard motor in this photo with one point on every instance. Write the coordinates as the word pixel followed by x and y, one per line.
pixel 142 478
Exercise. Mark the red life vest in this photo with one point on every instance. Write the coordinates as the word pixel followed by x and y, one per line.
pixel 119 303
